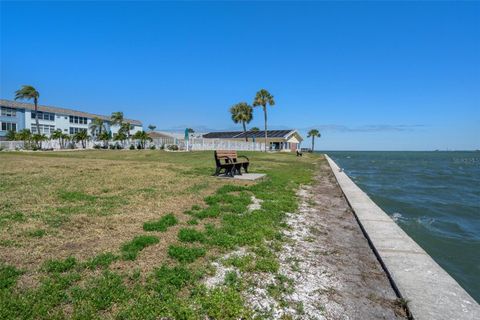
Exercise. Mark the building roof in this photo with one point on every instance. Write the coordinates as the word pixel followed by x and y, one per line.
pixel 250 134
pixel 69 112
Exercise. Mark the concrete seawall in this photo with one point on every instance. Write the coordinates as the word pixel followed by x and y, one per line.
pixel 430 291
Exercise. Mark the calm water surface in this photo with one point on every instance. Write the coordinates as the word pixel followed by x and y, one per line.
pixel 433 196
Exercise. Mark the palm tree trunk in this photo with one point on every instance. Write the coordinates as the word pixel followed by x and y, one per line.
pixel 313 143
pixel 245 131
pixel 265 116
pixel 35 101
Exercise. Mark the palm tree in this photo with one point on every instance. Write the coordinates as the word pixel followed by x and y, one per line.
pixel 116 118
pixel 314 133
pixel 38 138
pixel 255 129
pixel 105 136
pixel 82 136
pixel 11 135
pixel 25 135
pixel 125 127
pixel 152 127
pixel 96 126
pixel 120 136
pixel 264 98
pixel 143 137
pixel 27 93
pixel 242 112
pixel 61 137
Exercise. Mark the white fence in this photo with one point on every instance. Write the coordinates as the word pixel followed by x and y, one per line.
pixel 198 144
pixel 11 145
pixel 220 144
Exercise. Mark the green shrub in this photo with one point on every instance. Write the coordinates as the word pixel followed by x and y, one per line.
pixel 185 254
pixel 172 147
pixel 60 265
pixel 132 147
pixel 162 224
pixel 190 235
pixel 131 249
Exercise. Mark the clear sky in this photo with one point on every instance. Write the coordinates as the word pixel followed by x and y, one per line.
pixel 370 76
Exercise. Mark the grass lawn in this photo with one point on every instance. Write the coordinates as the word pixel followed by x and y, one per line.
pixel 132 234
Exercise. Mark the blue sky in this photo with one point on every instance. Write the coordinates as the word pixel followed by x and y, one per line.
pixel 370 76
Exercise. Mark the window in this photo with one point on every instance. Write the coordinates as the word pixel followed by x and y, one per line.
pixel 44 128
pixel 79 120
pixel 44 116
pixel 8 112
pixel 74 130
pixel 9 126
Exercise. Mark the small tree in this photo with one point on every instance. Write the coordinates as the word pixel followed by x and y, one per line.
pixel 38 139
pixel 105 137
pixel 255 129
pixel 25 135
pixel 152 127
pixel 314 133
pixel 142 137
pixel 263 98
pixel 96 127
pixel 11 135
pixel 125 128
pixel 116 118
pixel 242 113
pixel 82 137
pixel 61 137
pixel 120 136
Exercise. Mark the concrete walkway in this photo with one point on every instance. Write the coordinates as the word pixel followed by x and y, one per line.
pixel 431 292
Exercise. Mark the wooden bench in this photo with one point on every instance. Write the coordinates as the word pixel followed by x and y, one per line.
pixel 229 161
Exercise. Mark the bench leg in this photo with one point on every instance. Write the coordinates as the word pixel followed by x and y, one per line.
pixel 217 171
pixel 231 171
pixel 245 167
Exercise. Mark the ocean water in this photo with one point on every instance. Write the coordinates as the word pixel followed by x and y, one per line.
pixel 433 196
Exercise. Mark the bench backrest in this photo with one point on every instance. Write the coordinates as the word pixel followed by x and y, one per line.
pixel 225 154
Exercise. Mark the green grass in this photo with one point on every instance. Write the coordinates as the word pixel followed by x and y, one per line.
pixel 74 196
pixel 99 294
pixel 11 217
pixel 168 278
pixel 190 235
pixel 185 254
pixel 105 183
pixel 8 276
pixel 38 233
pixel 131 249
pixel 103 260
pixel 162 224
pixel 60 265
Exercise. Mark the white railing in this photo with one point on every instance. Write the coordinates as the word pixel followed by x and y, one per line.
pixel 197 144
pixel 11 145
pixel 220 144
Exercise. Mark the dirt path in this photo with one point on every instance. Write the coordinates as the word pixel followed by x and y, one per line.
pixel 334 271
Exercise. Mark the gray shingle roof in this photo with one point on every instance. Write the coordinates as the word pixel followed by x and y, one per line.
pixel 250 134
pixel 69 112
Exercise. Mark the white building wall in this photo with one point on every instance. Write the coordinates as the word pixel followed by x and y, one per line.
pixel 62 122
